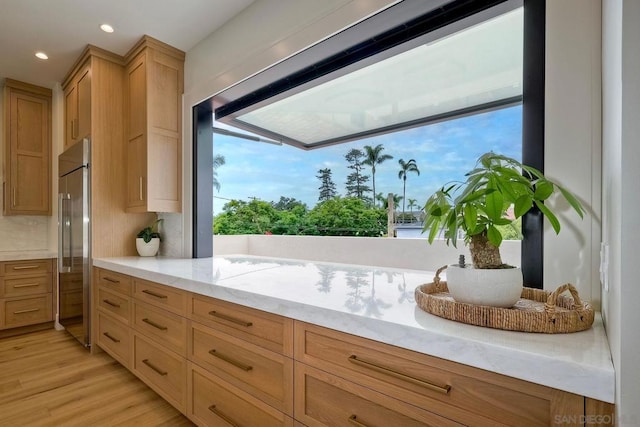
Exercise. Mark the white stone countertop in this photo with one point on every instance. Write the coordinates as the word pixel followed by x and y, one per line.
pixel 22 255
pixel 378 303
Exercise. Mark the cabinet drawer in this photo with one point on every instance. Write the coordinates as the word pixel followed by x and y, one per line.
pixel 27 311
pixel 162 370
pixel 214 402
pixel 264 329
pixel 262 373
pixel 115 338
pixel 27 285
pixel 323 399
pixel 167 328
pixel 114 304
pixel 114 281
pixel 474 397
pixel 171 299
pixel 13 268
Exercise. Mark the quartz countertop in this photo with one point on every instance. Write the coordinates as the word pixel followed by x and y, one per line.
pixel 22 255
pixel 378 303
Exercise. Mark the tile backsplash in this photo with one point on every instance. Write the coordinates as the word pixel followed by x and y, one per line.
pixel 24 233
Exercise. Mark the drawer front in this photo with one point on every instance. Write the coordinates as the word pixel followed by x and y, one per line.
pixel 262 373
pixel 264 329
pixel 27 311
pixel 27 285
pixel 214 402
pixel 114 281
pixel 323 399
pixel 15 268
pixel 114 304
pixel 163 370
pixel 71 304
pixel 167 328
pixel 115 338
pixel 171 299
pixel 423 380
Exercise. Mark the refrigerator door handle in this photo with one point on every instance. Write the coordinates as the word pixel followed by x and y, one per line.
pixel 64 242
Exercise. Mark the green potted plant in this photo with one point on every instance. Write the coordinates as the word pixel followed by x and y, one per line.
pixel 474 208
pixel 148 239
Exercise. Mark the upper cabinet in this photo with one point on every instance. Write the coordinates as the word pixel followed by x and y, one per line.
pixel 27 160
pixel 77 95
pixel 153 126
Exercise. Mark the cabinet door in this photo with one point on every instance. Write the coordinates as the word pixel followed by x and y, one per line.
pixel 84 104
pixel 136 134
pixel 29 155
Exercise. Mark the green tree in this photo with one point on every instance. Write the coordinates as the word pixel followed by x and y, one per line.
pixel 412 203
pixel 240 217
pixel 356 182
pixel 384 200
pixel 218 160
pixel 405 168
pixel 288 204
pixel 348 216
pixel 327 186
pixel 373 157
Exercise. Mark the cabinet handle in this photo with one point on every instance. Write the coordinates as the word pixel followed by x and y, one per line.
pixel 153 294
pixel 228 420
pixel 444 389
pixel 25 267
pixel 31 310
pixel 109 279
pixel 158 370
pixel 140 192
pixel 230 319
pixel 26 285
pixel 106 334
pixel 13 197
pixel 228 359
pixel 354 421
pixel 74 128
pixel 112 304
pixel 154 324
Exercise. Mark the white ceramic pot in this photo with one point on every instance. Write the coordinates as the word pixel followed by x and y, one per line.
pixel 147 249
pixel 496 288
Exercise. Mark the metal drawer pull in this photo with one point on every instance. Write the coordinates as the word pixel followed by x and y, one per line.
pixel 109 279
pixel 444 389
pixel 154 324
pixel 26 285
pixel 106 334
pixel 227 359
pixel 31 310
pixel 158 371
pixel 230 319
pixel 112 304
pixel 153 294
pixel 25 267
pixel 228 420
pixel 354 420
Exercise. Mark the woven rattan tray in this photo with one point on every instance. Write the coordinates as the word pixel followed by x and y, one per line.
pixel 536 311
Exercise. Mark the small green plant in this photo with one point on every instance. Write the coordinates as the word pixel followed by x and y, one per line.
pixel 150 232
pixel 479 205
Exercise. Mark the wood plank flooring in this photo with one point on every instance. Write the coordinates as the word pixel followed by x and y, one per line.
pixel 48 379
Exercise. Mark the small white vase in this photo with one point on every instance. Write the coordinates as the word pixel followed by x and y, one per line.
pixel 500 287
pixel 147 249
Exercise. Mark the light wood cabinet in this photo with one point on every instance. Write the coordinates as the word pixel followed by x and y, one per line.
pixel 26 293
pixel 27 159
pixel 153 107
pixel 77 97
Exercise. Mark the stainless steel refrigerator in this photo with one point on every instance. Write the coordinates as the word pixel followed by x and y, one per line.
pixel 74 240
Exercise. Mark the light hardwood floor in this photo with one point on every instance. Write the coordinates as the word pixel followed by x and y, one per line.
pixel 48 379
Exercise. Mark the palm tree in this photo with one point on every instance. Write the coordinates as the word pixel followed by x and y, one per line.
pixel 412 203
pixel 373 158
pixel 218 160
pixel 405 168
pixel 385 200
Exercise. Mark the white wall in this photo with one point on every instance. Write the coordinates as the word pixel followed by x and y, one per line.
pixel 621 198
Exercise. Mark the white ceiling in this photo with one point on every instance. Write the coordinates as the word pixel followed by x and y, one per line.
pixel 62 29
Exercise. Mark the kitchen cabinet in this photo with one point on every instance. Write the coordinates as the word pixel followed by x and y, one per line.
pixel 77 96
pixel 153 107
pixel 27 160
pixel 26 293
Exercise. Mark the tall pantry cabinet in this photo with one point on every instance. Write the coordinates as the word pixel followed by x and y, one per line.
pixel 153 126
pixel 94 109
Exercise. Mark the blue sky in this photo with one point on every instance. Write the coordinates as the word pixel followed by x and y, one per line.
pixel 443 152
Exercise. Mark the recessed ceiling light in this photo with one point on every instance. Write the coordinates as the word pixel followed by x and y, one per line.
pixel 106 28
pixel 41 55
